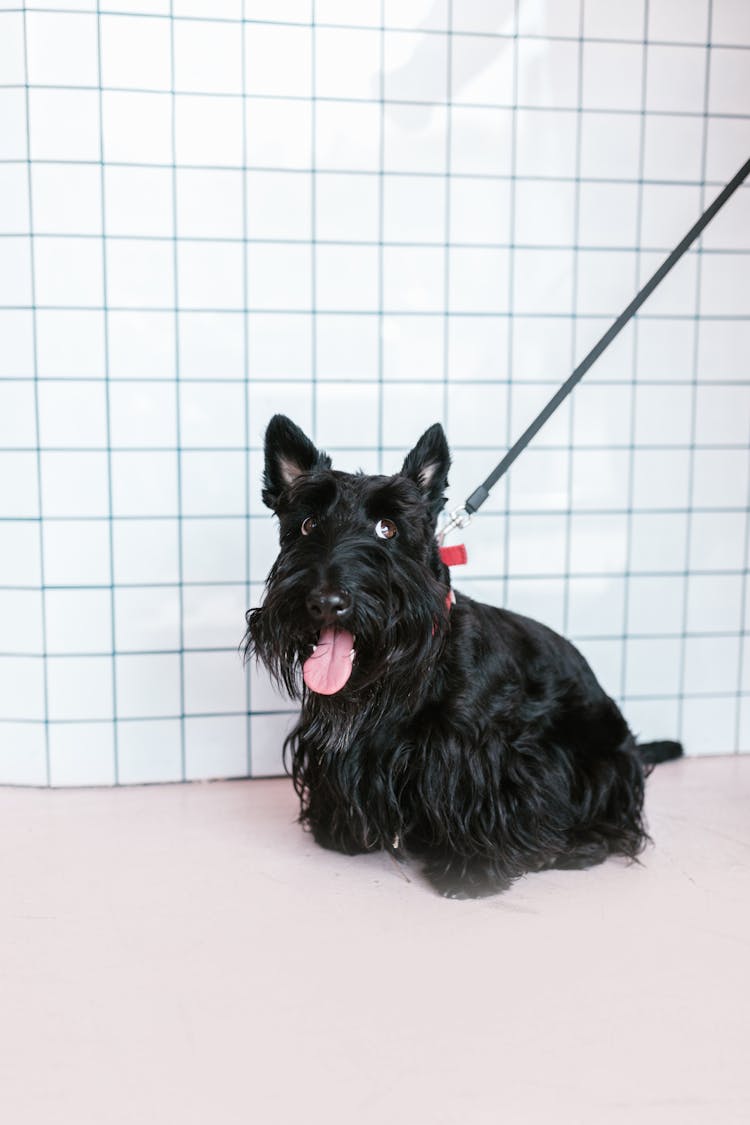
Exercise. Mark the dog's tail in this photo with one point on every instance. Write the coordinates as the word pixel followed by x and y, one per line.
pixel 655 752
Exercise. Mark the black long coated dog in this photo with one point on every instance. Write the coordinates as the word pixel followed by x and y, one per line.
pixel 431 726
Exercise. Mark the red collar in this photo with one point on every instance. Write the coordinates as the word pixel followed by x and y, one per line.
pixel 453 556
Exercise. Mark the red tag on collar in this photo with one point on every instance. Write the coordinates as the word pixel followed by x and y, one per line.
pixel 454 556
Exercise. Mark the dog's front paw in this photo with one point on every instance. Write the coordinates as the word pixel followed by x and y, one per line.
pixel 465 882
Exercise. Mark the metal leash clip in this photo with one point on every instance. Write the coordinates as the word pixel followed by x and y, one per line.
pixel 459 518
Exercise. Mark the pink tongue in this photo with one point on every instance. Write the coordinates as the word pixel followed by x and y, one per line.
pixel 330 666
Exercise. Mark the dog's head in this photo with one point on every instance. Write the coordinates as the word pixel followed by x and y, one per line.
pixel 358 590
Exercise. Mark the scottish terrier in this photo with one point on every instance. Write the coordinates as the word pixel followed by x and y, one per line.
pixel 431 725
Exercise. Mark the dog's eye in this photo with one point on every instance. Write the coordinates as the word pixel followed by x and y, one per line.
pixel 308 525
pixel 385 529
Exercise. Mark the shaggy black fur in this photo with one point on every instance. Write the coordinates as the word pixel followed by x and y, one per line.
pixel 473 738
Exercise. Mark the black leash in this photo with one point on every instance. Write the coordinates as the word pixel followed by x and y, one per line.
pixel 461 517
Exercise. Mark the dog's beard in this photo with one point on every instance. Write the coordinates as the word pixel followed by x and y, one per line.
pixel 392 635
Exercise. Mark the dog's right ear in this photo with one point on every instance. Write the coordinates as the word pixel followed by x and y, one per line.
pixel 289 452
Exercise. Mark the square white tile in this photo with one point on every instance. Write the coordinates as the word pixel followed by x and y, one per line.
pixel 145 550
pixel 61 49
pixel 212 344
pixel 656 604
pixel 278 133
pixel 542 281
pixel 147 618
pixel 347 207
pixel 214 682
pixel 142 414
pixel 415 66
pixel 17 414
pixel 413 346
pixel 19 552
pixel 142 344
pixel 652 665
pixel 414 209
pixel 658 541
pixel 68 271
pixel 148 685
pixel 711 664
pixel 279 205
pixel 137 126
pixel 207 131
pixel 23 754
pixel 346 278
pixel 482 70
pixel 347 410
pixel 14 199
pixel 536 545
pixel 347 136
pixel 72 414
pixel 82 753
pixel 213 550
pixel 76 553
pixel 212 414
pixel 414 277
pixel 140 274
pixel 279 346
pixel 213 483
pixel 674 20
pixel 481 141
pixel 207 56
pixel 17 331
pixel 612 75
pixel 717 540
pixel 479 279
pixel 21 615
pixel 144 483
pixel 347 62
pixel 78 621
pixel 135 52
pixel 545 142
pixel 547 73
pixel 278 60
pixel 714 603
pixel 408 410
pixel 279 277
pixel 544 213
pixel 74 483
pixel 138 201
pixel 216 747
pixel 477 348
pixel 66 199
pixel 663 414
pixel 347 347
pixel 598 543
pixel 79 687
pixel 22 688
pixel 149 751
pixel 675 79
pixel 596 606
pixel 210 275
pixel 709 725
pixel 214 616
pixel 13 135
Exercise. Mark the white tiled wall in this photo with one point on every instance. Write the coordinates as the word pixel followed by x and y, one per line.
pixel 369 215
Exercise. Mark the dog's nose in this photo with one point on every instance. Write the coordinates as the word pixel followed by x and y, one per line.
pixel 326 606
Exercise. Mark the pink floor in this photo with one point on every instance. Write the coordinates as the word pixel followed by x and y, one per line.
pixel 185 954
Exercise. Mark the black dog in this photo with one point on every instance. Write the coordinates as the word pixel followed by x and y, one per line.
pixel 467 735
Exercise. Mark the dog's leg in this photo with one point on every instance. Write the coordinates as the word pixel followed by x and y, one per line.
pixel 461 877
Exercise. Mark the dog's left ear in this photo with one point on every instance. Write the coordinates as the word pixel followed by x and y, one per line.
pixel 289 452
pixel 428 465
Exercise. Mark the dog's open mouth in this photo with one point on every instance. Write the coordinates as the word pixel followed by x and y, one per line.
pixel 330 665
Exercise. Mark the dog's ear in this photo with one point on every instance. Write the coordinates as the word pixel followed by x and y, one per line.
pixel 428 465
pixel 289 452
